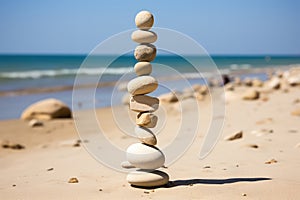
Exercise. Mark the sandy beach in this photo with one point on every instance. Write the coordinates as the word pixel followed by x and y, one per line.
pixel 262 164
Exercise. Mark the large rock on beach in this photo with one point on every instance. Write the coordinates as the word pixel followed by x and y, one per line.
pixel 202 89
pixel 143 103
pixel 145 52
pixel 46 109
pixel 145 156
pixel 170 97
pixel 274 83
pixel 142 36
pixel 257 83
pixel 143 68
pixel 250 95
pixel 144 20
pixel 142 85
pixel 294 80
pixel 145 135
pixel 247 82
pixel 144 178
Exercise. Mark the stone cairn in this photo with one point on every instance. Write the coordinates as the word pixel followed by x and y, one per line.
pixel 144 156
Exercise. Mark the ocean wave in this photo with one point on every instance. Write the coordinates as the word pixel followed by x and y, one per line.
pixel 240 66
pixel 35 74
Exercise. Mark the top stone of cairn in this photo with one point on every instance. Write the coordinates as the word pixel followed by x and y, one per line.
pixel 144 20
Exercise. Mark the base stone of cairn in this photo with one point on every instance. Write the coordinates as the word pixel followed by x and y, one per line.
pixel 144 156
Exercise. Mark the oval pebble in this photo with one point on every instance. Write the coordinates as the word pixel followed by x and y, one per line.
pixel 142 85
pixel 145 135
pixel 143 103
pixel 144 20
pixel 142 36
pixel 144 178
pixel 145 156
pixel 145 52
pixel 143 68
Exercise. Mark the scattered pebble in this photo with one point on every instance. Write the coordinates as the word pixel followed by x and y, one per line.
pixel 171 97
pixel 250 94
pixel 14 185
pixel 296 112
pixel 293 131
pixel 257 83
pixel 76 145
pixel 17 146
pixel 50 169
pixel 244 194
pixel 100 190
pixel 78 142
pixel 73 180
pixel 235 136
pixel 146 192
pixel 262 132
pixel 296 101
pixel 207 167
pixel 7 145
pixel 271 161
pixel 253 146
pixel 35 123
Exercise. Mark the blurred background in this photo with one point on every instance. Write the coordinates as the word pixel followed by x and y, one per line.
pixel 43 43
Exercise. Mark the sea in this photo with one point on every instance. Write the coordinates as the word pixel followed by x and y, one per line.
pixel 25 79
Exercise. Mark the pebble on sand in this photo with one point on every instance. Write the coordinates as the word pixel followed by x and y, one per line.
pixel 144 178
pixel 7 145
pixel 35 123
pixel 254 146
pixel 73 180
pixel 46 109
pixel 235 136
pixel 170 97
pixel 257 83
pixel 250 95
pixel 272 161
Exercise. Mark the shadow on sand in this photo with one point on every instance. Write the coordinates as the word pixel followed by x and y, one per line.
pixel 190 182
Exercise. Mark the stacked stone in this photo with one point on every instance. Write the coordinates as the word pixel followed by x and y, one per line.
pixel 144 156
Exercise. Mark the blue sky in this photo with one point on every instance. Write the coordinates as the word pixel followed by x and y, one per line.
pixel 222 27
